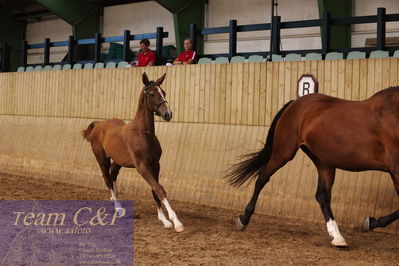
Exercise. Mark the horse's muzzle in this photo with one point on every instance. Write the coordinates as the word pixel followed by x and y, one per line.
pixel 167 116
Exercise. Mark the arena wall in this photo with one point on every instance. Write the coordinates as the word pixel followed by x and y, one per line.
pixel 220 112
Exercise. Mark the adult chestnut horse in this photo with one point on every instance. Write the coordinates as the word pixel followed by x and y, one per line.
pixel 334 133
pixel 134 145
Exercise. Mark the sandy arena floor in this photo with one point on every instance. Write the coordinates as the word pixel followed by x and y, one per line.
pixel 210 237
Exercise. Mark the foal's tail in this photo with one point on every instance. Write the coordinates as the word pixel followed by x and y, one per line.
pixel 255 162
pixel 86 133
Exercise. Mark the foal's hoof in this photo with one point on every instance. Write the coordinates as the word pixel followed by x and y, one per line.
pixel 239 224
pixel 179 229
pixel 339 243
pixel 366 224
pixel 120 211
pixel 167 224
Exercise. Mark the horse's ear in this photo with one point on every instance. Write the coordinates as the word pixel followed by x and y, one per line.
pixel 145 79
pixel 160 80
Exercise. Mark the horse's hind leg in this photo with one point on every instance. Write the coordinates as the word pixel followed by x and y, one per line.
pixel 323 196
pixel 104 162
pixel 370 223
pixel 271 167
pixel 114 171
pixel 161 216
pixel 109 178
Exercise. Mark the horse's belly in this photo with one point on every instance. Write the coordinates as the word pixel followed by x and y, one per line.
pixel 119 155
pixel 123 161
pixel 356 159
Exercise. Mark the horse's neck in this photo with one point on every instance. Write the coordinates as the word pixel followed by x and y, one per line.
pixel 144 119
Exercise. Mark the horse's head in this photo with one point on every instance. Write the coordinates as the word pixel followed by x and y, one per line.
pixel 155 97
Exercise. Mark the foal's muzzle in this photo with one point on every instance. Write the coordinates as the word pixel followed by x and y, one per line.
pixel 167 116
pixel 164 111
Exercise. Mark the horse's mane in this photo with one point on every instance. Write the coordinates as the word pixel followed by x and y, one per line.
pixel 388 91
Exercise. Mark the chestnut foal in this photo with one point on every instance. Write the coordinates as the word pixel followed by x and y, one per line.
pixel 134 145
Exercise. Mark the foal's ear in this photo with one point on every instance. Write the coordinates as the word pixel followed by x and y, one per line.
pixel 145 79
pixel 160 80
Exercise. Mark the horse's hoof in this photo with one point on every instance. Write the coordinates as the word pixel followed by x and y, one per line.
pixel 179 229
pixel 366 225
pixel 167 224
pixel 339 243
pixel 239 224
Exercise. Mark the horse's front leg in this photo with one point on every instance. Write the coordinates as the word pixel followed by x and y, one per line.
pixel 146 171
pixel 161 216
pixel 323 196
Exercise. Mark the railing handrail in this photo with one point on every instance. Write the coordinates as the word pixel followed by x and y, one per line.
pixel 97 41
pixel 326 22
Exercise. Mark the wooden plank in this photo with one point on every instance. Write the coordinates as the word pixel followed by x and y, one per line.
pixel 320 75
pixel 183 98
pixel 256 93
pixel 281 85
pixel 250 82
pixel 327 77
pixel 213 94
pixel 244 110
pixel 228 92
pixel 393 72
pixel 223 94
pixel 348 79
pixel 195 99
pixel 207 93
pixel 385 73
pixel 378 82
pixel 263 96
pixel 341 79
pixel 269 94
pixel 294 80
pixel 235 98
pixel 370 77
pixel 275 89
pixel 217 116
pixel 355 80
pixel 287 82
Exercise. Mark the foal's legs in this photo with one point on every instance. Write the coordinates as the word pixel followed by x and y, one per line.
pixel 370 223
pixel 146 171
pixel 323 196
pixel 109 178
pixel 161 216
pixel 114 192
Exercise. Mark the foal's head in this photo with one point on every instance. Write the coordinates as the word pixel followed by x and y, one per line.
pixel 155 97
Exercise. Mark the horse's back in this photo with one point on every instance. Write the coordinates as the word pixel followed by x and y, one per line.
pixel 345 134
pixel 107 127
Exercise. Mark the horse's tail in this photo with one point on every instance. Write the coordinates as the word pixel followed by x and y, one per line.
pixel 86 133
pixel 255 162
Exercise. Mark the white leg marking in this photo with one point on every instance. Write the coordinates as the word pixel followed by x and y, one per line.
pixel 162 218
pixel 333 231
pixel 117 204
pixel 173 217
